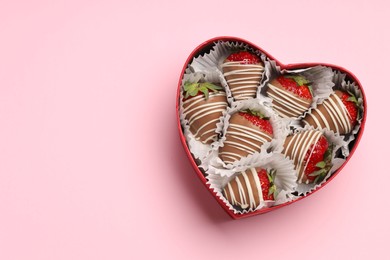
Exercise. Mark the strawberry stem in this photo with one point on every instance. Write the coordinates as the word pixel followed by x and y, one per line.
pixel 256 113
pixel 299 79
pixel 271 178
pixel 192 89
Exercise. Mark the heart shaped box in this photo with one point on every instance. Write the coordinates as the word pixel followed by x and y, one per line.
pixel 206 47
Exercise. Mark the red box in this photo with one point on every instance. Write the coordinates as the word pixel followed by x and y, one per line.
pixel 204 48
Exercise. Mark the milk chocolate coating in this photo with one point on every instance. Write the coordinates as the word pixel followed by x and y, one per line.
pixel 244 191
pixel 286 103
pixel 243 79
pixel 296 147
pixel 203 115
pixel 330 114
pixel 242 139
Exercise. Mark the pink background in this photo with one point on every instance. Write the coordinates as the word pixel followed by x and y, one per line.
pixel 91 166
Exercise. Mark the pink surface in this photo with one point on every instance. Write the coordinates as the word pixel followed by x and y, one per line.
pixel 91 166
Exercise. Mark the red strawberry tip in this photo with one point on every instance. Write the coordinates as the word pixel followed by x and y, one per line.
pixel 266 179
pixel 297 84
pixel 323 166
pixel 351 103
pixel 257 119
pixel 244 57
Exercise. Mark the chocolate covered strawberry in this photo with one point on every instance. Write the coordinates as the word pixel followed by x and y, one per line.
pixel 291 95
pixel 243 72
pixel 247 131
pixel 251 187
pixel 311 153
pixel 203 105
pixel 338 113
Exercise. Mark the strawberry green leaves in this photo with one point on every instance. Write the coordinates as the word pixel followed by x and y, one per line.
pixel 193 89
pixel 256 113
pixel 352 98
pixel 295 84
pixel 299 79
pixel 324 166
pixel 271 178
pixel 321 164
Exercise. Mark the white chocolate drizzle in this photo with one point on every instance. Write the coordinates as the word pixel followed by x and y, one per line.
pixel 285 103
pixel 200 111
pixel 244 80
pixel 336 113
pixel 299 145
pixel 244 182
pixel 239 134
